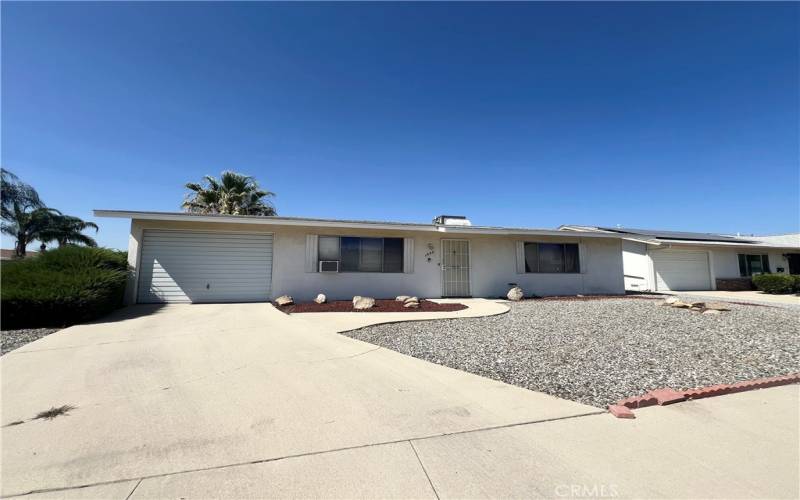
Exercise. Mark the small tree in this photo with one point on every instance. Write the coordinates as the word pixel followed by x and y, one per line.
pixel 231 194
pixel 23 213
pixel 67 230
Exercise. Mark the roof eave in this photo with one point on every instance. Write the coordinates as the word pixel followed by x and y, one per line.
pixel 397 226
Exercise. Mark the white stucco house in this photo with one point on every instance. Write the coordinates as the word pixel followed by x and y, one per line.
pixel 673 261
pixel 181 257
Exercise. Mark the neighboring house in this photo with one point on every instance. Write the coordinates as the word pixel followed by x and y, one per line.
pixel 180 257
pixel 671 260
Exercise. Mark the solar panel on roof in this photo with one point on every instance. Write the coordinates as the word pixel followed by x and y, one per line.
pixel 676 235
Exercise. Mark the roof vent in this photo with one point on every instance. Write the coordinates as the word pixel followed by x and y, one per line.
pixel 452 220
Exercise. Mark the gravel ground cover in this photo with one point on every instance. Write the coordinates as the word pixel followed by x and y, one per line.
pixel 12 339
pixel 600 351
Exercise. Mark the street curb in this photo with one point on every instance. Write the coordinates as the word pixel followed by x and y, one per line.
pixel 668 395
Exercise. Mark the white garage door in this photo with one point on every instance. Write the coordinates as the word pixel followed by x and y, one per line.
pixel 681 270
pixel 184 266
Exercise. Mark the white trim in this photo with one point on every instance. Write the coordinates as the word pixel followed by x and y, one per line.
pixel 583 264
pixel 312 253
pixel 520 253
pixel 408 255
pixel 394 226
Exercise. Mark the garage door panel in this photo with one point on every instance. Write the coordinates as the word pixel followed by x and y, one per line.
pixel 681 270
pixel 182 266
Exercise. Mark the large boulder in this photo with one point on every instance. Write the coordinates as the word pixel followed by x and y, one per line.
pixel 360 303
pixel 320 299
pixel 515 294
pixel 411 305
pixel 402 298
pixel 411 299
pixel 284 300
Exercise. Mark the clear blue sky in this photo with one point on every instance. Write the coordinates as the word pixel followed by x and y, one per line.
pixel 676 116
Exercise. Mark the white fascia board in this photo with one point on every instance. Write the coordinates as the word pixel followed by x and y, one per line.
pixel 723 244
pixel 394 226
pixel 642 240
pixel 272 221
pixel 588 229
pixel 503 231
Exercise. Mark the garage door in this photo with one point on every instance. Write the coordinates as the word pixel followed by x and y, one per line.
pixel 184 266
pixel 681 270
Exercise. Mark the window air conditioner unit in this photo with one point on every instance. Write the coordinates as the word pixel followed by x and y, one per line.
pixel 329 266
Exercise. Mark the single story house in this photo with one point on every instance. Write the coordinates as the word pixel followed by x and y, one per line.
pixel 183 257
pixel 671 260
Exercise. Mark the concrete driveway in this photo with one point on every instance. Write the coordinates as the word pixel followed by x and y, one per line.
pixel 749 296
pixel 243 401
pixel 190 387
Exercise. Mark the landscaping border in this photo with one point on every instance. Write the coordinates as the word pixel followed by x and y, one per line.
pixel 623 407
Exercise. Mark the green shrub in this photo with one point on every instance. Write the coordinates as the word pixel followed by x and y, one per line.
pixel 62 287
pixel 776 283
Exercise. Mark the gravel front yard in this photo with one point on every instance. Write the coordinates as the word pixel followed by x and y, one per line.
pixel 13 339
pixel 597 352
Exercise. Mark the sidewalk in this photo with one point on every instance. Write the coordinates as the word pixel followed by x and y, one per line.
pixel 750 296
pixel 737 446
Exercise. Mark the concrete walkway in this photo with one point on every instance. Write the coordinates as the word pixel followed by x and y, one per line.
pixel 750 296
pixel 344 321
pixel 242 401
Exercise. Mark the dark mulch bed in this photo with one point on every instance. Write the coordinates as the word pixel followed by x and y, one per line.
pixel 381 305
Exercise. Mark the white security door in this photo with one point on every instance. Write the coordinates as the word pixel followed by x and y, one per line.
pixel 455 268
pixel 190 266
pixel 681 270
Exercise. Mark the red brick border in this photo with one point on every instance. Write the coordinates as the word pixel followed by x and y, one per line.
pixel 668 396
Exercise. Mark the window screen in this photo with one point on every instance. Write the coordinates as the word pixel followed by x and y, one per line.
pixel 552 258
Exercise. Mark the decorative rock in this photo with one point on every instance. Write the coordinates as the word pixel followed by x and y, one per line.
pixel 717 306
pixel 712 312
pixel 411 299
pixel 360 302
pixel 515 294
pixel 411 305
pixel 402 298
pixel 321 299
pixel 681 305
pixel 284 300
pixel 671 300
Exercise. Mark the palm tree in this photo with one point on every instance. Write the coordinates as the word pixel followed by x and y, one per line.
pixel 231 194
pixel 23 213
pixel 67 230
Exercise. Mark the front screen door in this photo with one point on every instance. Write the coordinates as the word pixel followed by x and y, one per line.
pixel 455 268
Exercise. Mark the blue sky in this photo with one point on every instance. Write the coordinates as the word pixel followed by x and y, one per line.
pixel 676 115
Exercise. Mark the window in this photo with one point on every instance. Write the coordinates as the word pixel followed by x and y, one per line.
pixel 753 264
pixel 366 255
pixel 552 258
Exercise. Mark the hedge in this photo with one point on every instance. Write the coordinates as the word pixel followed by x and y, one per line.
pixel 62 287
pixel 777 283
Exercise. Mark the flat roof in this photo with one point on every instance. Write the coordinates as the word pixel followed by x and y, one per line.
pixel 342 223
pixel 676 235
pixel 658 237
